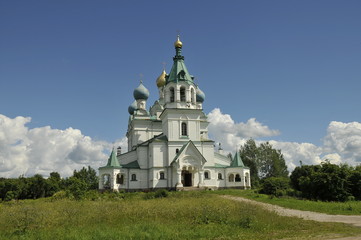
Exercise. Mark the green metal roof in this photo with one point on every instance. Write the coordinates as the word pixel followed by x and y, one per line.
pixel 179 71
pixel 112 161
pixel 134 164
pixel 217 165
pixel 237 161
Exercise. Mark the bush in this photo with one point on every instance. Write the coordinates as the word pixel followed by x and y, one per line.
pixel 276 186
pixel 161 193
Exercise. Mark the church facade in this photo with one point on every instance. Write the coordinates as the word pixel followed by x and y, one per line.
pixel 168 146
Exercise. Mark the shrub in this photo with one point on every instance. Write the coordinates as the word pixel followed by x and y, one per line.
pixel 276 186
pixel 161 193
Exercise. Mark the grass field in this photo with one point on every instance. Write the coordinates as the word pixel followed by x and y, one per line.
pixel 182 215
pixel 343 208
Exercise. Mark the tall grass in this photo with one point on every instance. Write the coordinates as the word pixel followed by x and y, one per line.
pixel 195 215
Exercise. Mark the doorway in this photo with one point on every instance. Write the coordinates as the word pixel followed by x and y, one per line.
pixel 186 178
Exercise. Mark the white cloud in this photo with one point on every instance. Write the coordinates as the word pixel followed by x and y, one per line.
pixel 344 139
pixel 43 150
pixel 231 134
pixel 342 144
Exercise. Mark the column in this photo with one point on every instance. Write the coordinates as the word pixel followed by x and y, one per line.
pixel 201 178
pixel 179 178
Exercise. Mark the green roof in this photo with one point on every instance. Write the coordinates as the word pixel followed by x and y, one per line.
pixel 112 161
pixel 134 164
pixel 217 165
pixel 237 161
pixel 179 71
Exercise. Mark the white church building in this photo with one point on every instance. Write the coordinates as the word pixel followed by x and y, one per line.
pixel 168 146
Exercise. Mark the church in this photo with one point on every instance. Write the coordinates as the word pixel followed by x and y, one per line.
pixel 168 145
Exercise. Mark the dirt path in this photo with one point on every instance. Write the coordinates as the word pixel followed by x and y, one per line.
pixel 319 217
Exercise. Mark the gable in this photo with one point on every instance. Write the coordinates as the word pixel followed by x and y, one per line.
pixel 190 154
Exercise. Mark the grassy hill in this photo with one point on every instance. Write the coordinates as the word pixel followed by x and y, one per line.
pixel 180 215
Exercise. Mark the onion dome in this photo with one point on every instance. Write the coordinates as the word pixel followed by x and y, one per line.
pixel 161 79
pixel 200 96
pixel 141 92
pixel 132 107
pixel 178 43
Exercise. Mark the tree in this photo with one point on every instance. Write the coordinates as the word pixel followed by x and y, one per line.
pixel 326 182
pixel 249 156
pixel 264 161
pixel 271 162
pixel 89 176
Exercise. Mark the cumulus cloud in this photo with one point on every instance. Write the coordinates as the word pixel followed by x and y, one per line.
pixel 224 129
pixel 342 144
pixel 43 150
pixel 344 139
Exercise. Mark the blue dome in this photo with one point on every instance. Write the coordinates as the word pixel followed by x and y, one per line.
pixel 141 92
pixel 132 107
pixel 200 96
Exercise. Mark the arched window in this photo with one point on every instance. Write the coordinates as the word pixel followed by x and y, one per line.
pixel 106 181
pixel 183 94
pixel 177 150
pixel 171 90
pixel 206 175
pixel 161 175
pixel 220 176
pixel 231 178
pixel 192 96
pixel 238 178
pixel 120 178
pixel 184 129
pixel 134 177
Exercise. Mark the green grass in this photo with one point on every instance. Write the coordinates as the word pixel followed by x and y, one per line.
pixel 182 215
pixel 343 208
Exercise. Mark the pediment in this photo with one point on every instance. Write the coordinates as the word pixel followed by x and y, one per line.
pixel 189 155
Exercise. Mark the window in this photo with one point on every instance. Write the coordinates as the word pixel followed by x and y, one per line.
pixel 231 178
pixel 220 176
pixel 134 177
pixel 183 94
pixel 238 178
pixel 177 150
pixel 184 129
pixel 161 175
pixel 106 181
pixel 206 175
pixel 120 178
pixel 171 90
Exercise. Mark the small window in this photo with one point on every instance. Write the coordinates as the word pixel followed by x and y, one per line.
pixel 171 90
pixel 220 176
pixel 184 129
pixel 183 94
pixel 238 178
pixel 231 178
pixel 161 175
pixel 177 150
pixel 134 177
pixel 206 175
pixel 120 179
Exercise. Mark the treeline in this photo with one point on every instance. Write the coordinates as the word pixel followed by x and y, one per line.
pixel 38 187
pixel 325 182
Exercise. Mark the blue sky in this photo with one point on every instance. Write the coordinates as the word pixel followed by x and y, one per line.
pixel 294 66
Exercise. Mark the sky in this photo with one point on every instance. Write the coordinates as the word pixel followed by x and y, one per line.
pixel 287 72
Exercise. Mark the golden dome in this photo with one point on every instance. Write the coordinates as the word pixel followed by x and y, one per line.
pixel 178 43
pixel 161 79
